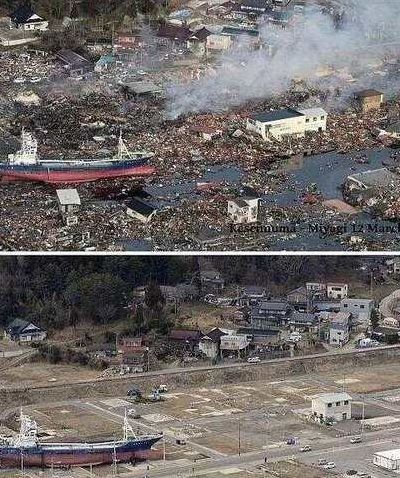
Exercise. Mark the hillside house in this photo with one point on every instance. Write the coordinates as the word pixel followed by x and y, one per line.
pixel 23 331
pixel 25 18
pixel 339 329
pixel 270 314
pixel 336 291
pixel 360 309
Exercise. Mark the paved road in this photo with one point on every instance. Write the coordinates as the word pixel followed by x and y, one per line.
pixel 330 449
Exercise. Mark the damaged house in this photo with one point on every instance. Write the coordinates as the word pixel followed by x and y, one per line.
pixel 244 210
pixel 366 187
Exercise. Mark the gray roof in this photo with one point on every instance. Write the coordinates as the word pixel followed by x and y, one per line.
pixel 68 197
pixel 273 305
pixel 143 87
pixel 332 397
pixel 375 177
pixel 276 115
pixel 302 317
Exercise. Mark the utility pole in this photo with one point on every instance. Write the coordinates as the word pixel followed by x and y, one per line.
pixel 239 438
pixel 371 275
pixel 363 416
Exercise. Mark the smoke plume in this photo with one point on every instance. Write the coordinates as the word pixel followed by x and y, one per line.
pixel 332 49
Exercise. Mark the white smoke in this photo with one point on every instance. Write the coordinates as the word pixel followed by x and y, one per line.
pixel 315 42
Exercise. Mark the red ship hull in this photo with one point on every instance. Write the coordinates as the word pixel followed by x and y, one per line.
pixel 82 176
pixel 81 459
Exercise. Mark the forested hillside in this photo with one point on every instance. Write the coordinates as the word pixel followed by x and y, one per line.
pixel 60 291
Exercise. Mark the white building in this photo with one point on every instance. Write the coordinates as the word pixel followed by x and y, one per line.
pixel 69 203
pixel 243 210
pixel 359 308
pixel 339 331
pixel 331 406
pixel 315 119
pixel 337 291
pixel 276 125
pixel 390 459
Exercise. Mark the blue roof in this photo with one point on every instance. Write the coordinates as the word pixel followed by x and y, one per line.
pixel 276 115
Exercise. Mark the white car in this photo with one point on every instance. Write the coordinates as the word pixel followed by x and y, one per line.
pixel 253 360
pixel 329 465
pixel 305 448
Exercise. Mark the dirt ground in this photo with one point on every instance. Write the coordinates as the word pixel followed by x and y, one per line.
pixel 43 373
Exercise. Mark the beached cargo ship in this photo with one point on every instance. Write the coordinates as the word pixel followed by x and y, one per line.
pixel 27 451
pixel 26 165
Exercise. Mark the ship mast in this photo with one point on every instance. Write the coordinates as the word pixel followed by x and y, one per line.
pixel 123 151
pixel 128 430
pixel 28 152
pixel 28 432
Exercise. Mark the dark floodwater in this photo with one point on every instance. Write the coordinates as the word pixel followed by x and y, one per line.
pixel 327 172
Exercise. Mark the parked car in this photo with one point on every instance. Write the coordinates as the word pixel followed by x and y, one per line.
pixel 253 359
pixel 322 462
pixel 363 475
pixel 305 448
pixel 329 465
pixel 356 439
pixel 351 472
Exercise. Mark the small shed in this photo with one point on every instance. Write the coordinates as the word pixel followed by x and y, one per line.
pixel 69 201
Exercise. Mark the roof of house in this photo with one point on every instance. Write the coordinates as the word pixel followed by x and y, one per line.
pixel 17 326
pixel 277 115
pixel 143 87
pixel 262 4
pixel 336 284
pixel 23 14
pixel 357 301
pixel 340 319
pixel 273 305
pixel 215 334
pixel 302 318
pixel 140 207
pixel 332 397
pixel 367 93
pixel 201 35
pixel 68 197
pixel 71 58
pixel 185 334
pixel 375 177
pixel 253 290
pixel 239 31
pixel 174 32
